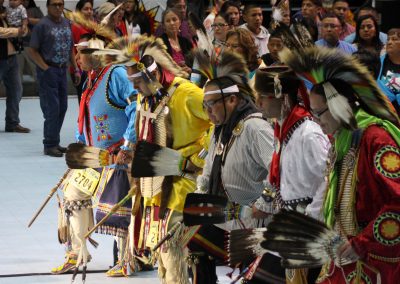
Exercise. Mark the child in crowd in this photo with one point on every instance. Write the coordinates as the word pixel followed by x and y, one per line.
pixel 17 17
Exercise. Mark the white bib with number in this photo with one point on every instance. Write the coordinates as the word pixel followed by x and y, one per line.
pixel 85 180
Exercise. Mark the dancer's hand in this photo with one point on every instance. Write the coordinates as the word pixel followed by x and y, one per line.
pixel 347 251
pixel 258 214
pixel 124 157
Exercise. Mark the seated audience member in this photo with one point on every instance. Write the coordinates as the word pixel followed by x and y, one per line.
pixel 178 47
pixel 363 11
pixel 275 45
pixel 232 10
pixel 341 9
pixel 389 75
pixel 252 15
pixel 367 34
pixel 331 29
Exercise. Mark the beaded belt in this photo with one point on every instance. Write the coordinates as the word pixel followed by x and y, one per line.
pixel 298 205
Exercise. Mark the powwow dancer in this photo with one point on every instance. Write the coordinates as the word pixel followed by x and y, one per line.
pixel 106 121
pixel 239 157
pixel 170 114
pixel 363 197
pixel 297 174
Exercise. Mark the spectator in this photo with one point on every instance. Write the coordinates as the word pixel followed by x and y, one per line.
pixel 220 28
pixel 341 9
pixel 367 34
pixel 17 17
pixel 9 74
pixel 86 8
pixel 114 19
pixel 34 16
pixel 363 11
pixel 178 47
pixel 51 50
pixel 134 22
pixel 232 10
pixel 331 29
pixel 311 11
pixel 275 45
pixel 253 17
pixel 389 75
pixel 180 6
pixel 280 14
pixel 242 42
pixel 210 17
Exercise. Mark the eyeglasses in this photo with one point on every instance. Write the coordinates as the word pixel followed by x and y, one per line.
pixel 318 114
pixel 57 5
pixel 220 25
pixel 211 103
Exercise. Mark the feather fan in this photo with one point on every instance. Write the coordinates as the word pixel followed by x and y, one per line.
pixel 318 64
pixel 80 156
pixel 301 241
pixel 152 160
pixel 211 209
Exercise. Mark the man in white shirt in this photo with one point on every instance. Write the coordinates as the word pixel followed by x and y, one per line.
pixel 253 17
pixel 297 172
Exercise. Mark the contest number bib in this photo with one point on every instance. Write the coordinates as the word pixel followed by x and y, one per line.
pixel 85 180
pixel 152 238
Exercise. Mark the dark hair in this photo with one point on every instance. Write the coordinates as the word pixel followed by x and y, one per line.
pixel 247 42
pixel 373 11
pixel 340 1
pixel 172 3
pixel 376 42
pixel 343 88
pixel 31 4
pixel 331 15
pixel 170 10
pixel 370 60
pixel 81 3
pixel 224 82
pixel 316 2
pixel 248 7
pixel 224 9
pixel 48 3
pixel 227 5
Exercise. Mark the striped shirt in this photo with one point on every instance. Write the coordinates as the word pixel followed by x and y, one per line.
pixel 247 162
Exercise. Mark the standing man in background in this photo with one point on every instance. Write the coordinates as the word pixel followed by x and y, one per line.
pixel 9 74
pixel 51 49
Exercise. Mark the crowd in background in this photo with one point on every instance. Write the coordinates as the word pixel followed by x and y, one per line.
pixel 229 24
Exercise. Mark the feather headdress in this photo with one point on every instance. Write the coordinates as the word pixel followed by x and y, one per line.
pixel 320 65
pixel 278 7
pixel 229 64
pixel 129 52
pixel 101 33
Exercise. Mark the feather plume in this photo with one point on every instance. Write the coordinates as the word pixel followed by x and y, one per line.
pixel 107 18
pixel 129 51
pixel 318 65
pixel 152 160
pixel 244 245
pixel 301 241
pixel 98 29
pixel 80 156
pixel 277 15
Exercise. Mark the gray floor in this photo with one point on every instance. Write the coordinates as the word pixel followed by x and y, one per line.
pixel 26 177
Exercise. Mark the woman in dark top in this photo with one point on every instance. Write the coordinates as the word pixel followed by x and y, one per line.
pixel 178 47
pixel 367 34
pixel 134 22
